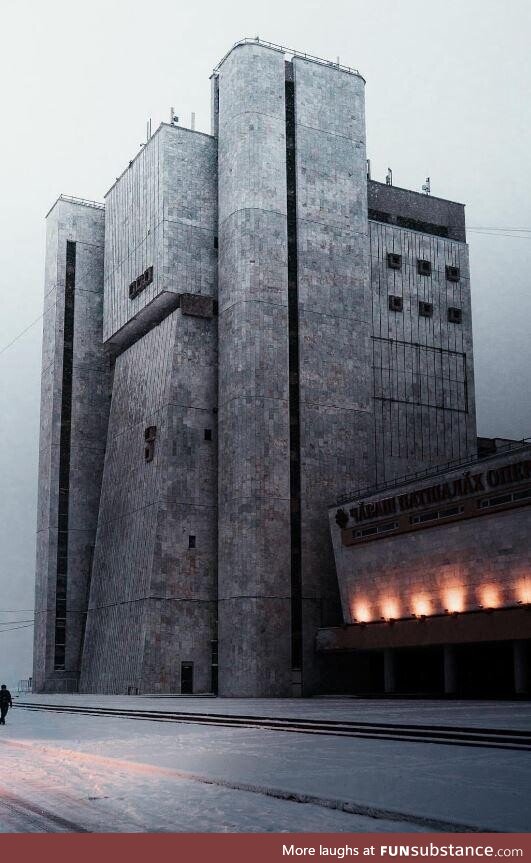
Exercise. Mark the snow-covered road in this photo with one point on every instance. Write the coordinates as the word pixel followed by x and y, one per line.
pixel 76 772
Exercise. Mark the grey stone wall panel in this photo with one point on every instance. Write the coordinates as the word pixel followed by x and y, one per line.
pixel 90 399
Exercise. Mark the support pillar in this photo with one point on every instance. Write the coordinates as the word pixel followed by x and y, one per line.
pixel 389 671
pixel 520 667
pixel 450 670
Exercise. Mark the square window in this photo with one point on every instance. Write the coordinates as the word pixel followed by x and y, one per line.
pixel 453 274
pixel 191 541
pixel 394 261
pixel 396 304
pixel 425 309
pixel 455 316
pixel 423 267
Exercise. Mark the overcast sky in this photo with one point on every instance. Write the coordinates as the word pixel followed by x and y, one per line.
pixel 448 95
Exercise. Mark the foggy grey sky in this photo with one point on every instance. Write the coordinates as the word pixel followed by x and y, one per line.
pixel 448 95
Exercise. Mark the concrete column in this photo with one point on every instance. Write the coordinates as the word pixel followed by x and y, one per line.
pixel 520 667
pixel 74 413
pixel 389 671
pixel 254 574
pixel 450 670
pixel 334 323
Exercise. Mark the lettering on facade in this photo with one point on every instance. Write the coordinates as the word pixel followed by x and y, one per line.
pixel 455 489
pixel 139 284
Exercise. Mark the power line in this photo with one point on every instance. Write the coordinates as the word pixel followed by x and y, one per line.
pixel 496 228
pixel 10 622
pixel 12 342
pixel 26 626
pixel 499 236
pixel 15 610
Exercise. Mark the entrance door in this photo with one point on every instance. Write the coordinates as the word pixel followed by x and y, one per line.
pixel 187 678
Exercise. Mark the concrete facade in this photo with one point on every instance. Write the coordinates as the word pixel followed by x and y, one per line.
pixel 153 598
pixel 467 550
pixel 424 410
pixel 438 561
pixel 333 322
pixel 254 499
pixel 74 410
pixel 238 415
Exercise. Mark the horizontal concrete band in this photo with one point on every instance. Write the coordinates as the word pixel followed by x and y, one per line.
pixel 498 625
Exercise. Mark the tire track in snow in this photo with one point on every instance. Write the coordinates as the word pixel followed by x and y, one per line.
pixel 33 818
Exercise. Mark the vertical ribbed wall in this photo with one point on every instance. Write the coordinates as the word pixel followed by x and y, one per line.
pixel 74 412
pixel 424 406
pixel 153 597
pixel 161 213
pixel 334 323
pixel 254 471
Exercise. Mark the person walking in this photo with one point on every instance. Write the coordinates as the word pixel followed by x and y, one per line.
pixel 5 703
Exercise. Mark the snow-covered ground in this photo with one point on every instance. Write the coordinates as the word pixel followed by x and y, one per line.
pixel 77 772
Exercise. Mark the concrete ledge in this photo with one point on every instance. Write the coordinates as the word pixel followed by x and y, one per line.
pixel 504 624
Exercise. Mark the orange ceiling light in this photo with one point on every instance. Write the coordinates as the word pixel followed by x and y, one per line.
pixel 390 609
pixel 454 599
pixel 361 612
pixel 422 606
pixel 490 596
pixel 523 591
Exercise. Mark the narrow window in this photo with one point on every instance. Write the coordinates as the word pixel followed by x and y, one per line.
pixel 149 437
pixel 453 274
pixel 208 434
pixel 394 261
pixel 191 541
pixel 396 304
pixel 423 267
pixel 425 309
pixel 455 316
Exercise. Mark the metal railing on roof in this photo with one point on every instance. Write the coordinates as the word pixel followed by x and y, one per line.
pixel 85 202
pixel 284 50
pixel 368 491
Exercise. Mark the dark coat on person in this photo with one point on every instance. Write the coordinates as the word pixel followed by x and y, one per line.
pixel 5 698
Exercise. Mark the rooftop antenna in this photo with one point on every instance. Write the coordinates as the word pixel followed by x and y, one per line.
pixel 173 117
pixel 192 121
pixel 389 177
pixel 427 187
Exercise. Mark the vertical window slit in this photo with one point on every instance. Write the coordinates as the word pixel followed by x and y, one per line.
pixel 64 460
pixel 294 391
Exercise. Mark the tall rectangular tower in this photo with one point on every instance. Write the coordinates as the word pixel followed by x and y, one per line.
pixel 151 624
pixel 254 422
pixel 74 411
pixel 293 332
pixel 333 322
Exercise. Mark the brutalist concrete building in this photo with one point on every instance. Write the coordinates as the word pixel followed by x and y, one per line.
pixel 247 329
